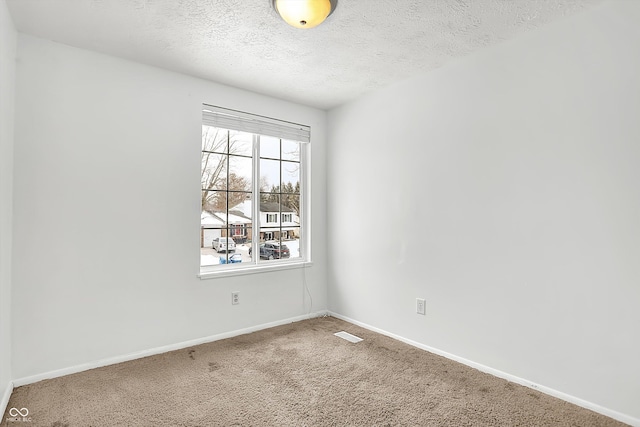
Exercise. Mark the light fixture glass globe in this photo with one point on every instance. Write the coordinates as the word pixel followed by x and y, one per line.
pixel 303 13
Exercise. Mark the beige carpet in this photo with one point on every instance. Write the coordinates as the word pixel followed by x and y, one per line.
pixel 293 375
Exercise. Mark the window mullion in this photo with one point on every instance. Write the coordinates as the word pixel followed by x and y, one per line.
pixel 228 165
pixel 303 203
pixel 255 201
pixel 280 198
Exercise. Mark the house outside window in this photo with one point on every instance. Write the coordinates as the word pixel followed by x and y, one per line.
pixel 252 174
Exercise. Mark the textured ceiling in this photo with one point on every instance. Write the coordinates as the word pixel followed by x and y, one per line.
pixel 363 45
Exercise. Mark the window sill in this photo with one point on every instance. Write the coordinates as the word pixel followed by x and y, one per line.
pixel 254 269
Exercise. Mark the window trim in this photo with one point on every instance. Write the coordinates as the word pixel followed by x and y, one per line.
pixel 236 270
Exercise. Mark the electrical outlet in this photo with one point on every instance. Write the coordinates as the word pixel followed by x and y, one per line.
pixel 421 306
pixel 235 298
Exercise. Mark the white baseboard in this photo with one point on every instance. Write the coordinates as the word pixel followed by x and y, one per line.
pixel 5 398
pixel 158 350
pixel 546 390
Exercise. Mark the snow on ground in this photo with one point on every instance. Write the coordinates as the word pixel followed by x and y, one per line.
pixel 207 259
pixel 294 247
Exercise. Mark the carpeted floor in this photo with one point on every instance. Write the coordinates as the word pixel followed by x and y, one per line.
pixel 293 375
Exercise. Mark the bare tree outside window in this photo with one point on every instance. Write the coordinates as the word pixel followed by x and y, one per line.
pixel 222 186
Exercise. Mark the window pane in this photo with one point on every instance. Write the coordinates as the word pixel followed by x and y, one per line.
pixel 270 202
pixel 240 229
pixel 214 139
pixel 218 202
pixel 240 205
pixel 269 147
pixel 224 248
pixel 215 203
pixel 208 235
pixel 213 173
pixel 237 201
pixel 240 143
pixel 291 203
pixel 290 150
pixel 291 238
pixel 274 245
pixel 240 172
pixel 269 175
pixel 290 177
pixel 269 210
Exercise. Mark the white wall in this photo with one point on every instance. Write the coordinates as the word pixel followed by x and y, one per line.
pixel 107 215
pixel 510 186
pixel 7 80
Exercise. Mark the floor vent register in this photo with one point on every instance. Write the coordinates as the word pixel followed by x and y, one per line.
pixel 347 336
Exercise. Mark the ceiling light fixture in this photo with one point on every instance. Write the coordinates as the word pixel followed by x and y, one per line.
pixel 304 13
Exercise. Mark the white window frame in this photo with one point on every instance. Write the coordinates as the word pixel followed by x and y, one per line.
pixel 271 127
pixel 272 218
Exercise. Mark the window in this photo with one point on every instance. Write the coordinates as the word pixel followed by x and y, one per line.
pixel 238 231
pixel 252 174
pixel 272 217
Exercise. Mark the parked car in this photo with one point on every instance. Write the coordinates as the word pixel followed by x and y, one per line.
pixel 235 258
pixel 223 244
pixel 273 250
